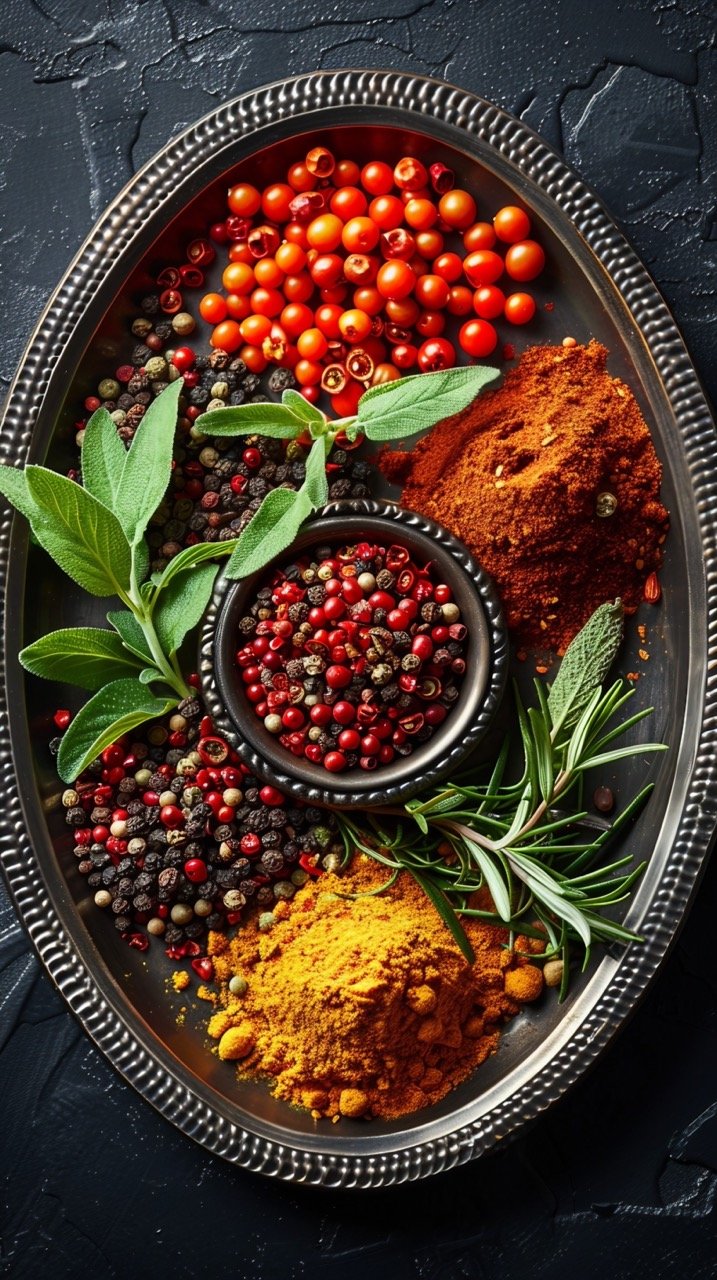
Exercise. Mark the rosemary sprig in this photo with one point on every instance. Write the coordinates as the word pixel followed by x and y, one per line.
pixel 529 841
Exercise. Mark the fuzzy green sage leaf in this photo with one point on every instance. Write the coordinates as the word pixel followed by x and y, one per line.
pixel 82 536
pixel 147 466
pixel 587 661
pixel 85 656
pixel 263 419
pixel 394 410
pixel 270 531
pixel 117 709
pixel 102 459
pixel 182 605
pixel 300 406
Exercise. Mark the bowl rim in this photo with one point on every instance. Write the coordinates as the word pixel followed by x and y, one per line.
pixel 482 687
pixel 430 107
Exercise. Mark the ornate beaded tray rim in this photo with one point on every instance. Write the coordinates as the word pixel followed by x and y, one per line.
pixel 422 104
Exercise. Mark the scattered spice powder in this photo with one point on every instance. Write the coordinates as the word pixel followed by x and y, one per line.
pixel 521 475
pixel 364 1006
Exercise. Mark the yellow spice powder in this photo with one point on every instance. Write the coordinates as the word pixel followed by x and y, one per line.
pixel 364 1006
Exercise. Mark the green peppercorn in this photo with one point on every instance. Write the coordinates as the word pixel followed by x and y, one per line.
pixel 141 327
pixel 294 452
pixel 181 913
pixel 183 323
pixel 209 457
pixel 299 877
pixel 203 907
pixel 155 926
pixel 238 986
pixel 267 920
pixel 108 389
pixel 284 889
pixel 220 391
pixel 156 367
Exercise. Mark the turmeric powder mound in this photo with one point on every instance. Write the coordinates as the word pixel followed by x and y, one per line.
pixel 520 476
pixel 364 1006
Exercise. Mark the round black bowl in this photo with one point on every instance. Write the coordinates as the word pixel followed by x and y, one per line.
pixel 481 689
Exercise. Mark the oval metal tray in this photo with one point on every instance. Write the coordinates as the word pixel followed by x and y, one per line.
pixel 600 289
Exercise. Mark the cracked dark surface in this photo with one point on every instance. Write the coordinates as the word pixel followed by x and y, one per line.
pixel 620 1178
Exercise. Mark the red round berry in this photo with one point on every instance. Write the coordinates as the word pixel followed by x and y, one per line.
pixel 170 815
pixel 344 712
pixel 349 740
pixel 320 714
pixel 251 458
pixel 195 869
pixel 271 796
pixel 62 719
pixel 337 677
pixel 334 761
pixel 250 844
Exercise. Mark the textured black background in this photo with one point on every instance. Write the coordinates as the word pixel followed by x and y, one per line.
pixel 620 1179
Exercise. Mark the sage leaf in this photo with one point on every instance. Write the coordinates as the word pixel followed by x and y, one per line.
pixel 102 459
pixel 252 419
pixel 301 407
pixel 315 484
pixel 114 711
pixel 182 605
pixel 13 484
pixel 85 656
pixel 81 535
pixel 148 464
pixel 149 674
pixel 190 556
pixel 587 661
pixel 394 410
pixel 131 633
pixel 271 530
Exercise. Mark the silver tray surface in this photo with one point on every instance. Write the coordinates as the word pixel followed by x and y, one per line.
pixel 600 289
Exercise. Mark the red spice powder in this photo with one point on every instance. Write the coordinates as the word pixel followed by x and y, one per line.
pixel 520 477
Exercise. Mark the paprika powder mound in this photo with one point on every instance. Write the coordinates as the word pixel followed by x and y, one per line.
pixel 365 1006
pixel 553 483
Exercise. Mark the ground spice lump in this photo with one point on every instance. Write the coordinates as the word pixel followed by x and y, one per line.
pixel 520 477
pixel 363 1006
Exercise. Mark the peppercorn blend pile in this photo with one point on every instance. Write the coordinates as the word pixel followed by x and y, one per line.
pixel 553 483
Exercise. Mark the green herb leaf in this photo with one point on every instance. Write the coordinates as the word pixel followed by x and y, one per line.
pixel 149 674
pixel 85 656
pixel 115 710
pixel 102 459
pixel 192 556
pixel 252 419
pixel 587 661
pixel 181 606
pixel 127 626
pixel 81 535
pixel 13 484
pixel 394 410
pixel 271 530
pixel 446 912
pixel 148 464
pixel 300 406
pixel 316 484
